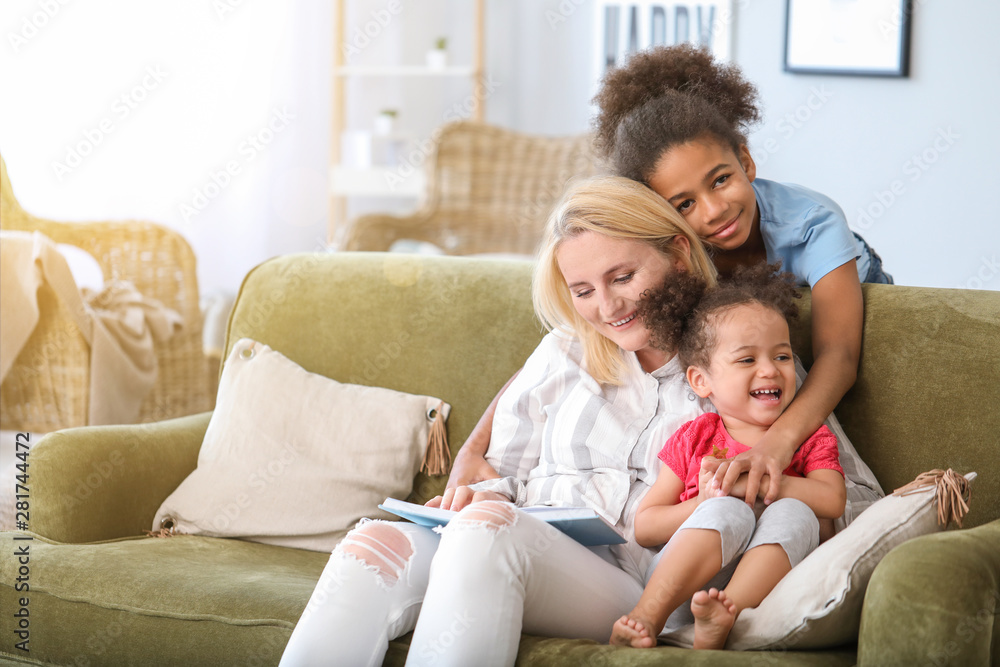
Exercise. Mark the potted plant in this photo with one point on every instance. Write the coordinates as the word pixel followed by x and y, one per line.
pixel 437 58
pixel 385 120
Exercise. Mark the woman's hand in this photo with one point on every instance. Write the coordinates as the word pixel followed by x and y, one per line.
pixel 459 497
pixel 470 467
pixel 739 489
pixel 763 465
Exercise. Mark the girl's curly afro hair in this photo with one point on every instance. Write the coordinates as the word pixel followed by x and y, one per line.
pixel 681 315
pixel 666 96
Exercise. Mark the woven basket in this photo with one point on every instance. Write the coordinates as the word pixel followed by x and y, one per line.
pixel 489 190
pixel 48 387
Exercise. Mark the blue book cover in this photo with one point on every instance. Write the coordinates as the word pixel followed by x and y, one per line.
pixel 581 523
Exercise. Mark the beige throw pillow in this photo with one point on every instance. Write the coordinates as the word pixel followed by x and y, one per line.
pixel 295 459
pixel 818 603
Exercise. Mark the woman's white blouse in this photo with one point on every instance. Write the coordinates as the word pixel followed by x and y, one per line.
pixel 559 438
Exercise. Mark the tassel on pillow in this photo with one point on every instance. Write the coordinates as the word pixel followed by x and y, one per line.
pixel 437 459
pixel 952 493
pixel 167 529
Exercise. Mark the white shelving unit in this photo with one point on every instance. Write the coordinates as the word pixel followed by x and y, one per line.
pixel 379 180
pixel 372 182
pixel 405 70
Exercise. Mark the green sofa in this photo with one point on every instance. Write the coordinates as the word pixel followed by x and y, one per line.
pixel 102 593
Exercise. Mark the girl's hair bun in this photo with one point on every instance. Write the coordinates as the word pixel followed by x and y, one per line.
pixel 685 68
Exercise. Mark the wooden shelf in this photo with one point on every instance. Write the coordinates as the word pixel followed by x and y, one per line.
pixel 404 70
pixel 375 182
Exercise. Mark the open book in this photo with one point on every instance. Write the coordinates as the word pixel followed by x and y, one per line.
pixel 581 523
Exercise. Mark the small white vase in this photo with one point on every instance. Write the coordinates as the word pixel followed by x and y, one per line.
pixel 437 58
pixel 384 124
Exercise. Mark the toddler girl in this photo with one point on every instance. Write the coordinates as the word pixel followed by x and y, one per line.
pixel 734 342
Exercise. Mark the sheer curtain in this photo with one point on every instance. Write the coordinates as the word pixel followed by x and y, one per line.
pixel 209 117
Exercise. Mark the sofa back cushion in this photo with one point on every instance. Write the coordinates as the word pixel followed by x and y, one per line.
pixel 928 389
pixel 926 396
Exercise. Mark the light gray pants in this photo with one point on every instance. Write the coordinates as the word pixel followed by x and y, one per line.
pixel 788 523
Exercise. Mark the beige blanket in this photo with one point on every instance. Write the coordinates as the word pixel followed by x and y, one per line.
pixel 121 326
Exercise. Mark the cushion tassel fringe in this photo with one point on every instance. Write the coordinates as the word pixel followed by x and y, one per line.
pixel 162 532
pixel 952 493
pixel 167 529
pixel 437 459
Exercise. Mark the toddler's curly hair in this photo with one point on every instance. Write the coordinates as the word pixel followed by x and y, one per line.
pixel 666 96
pixel 681 315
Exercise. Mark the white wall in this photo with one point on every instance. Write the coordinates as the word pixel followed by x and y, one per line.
pixel 915 154
pixel 540 53
pixel 228 71
pixel 911 161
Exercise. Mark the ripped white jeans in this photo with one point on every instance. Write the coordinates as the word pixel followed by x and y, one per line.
pixel 492 573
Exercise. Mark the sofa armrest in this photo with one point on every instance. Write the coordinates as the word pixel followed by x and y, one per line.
pixel 935 600
pixel 104 482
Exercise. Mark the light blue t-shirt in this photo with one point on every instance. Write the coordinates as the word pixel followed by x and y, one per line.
pixel 807 231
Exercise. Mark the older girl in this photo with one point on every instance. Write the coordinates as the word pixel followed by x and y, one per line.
pixel 676 119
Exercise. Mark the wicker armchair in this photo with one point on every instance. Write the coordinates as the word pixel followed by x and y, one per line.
pixel 47 388
pixel 489 191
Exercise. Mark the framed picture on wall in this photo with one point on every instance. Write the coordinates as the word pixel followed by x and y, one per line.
pixel 624 27
pixel 852 37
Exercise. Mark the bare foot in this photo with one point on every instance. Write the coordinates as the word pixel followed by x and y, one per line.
pixel 714 615
pixel 632 632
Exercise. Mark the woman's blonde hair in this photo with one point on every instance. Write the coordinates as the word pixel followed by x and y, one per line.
pixel 619 208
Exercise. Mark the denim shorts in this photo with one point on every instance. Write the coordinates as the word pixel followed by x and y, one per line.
pixel 876 274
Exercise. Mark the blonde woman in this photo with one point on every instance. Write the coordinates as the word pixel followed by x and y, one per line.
pixel 579 426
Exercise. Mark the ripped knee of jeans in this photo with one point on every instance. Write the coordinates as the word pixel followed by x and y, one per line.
pixel 494 515
pixel 380 547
